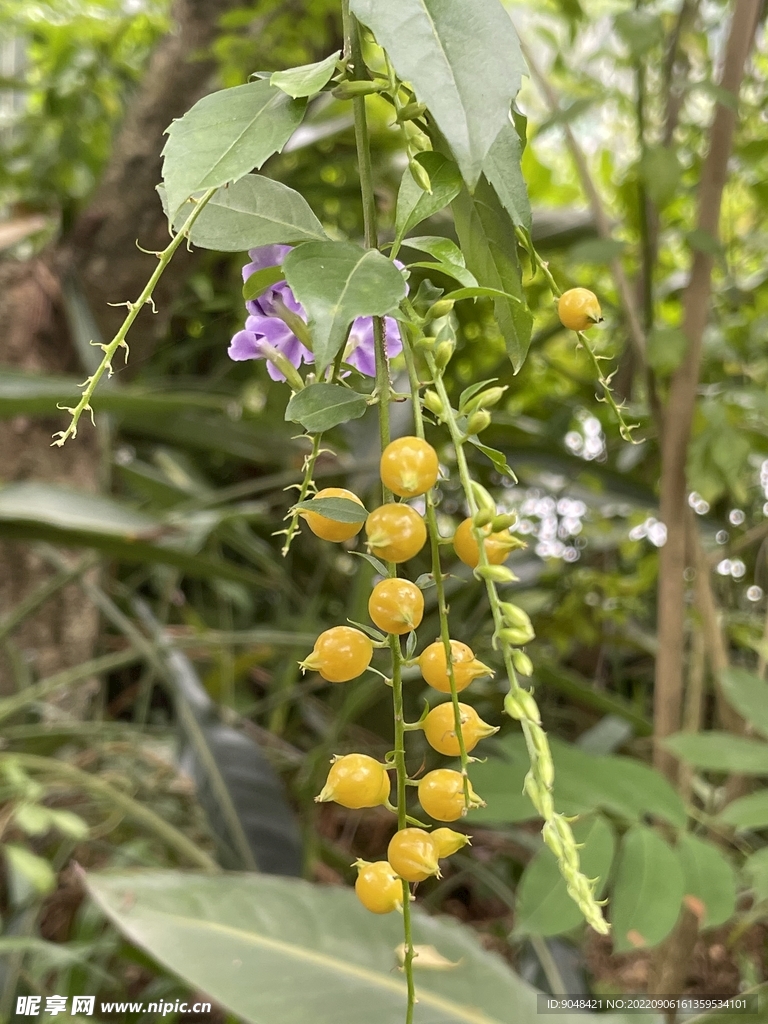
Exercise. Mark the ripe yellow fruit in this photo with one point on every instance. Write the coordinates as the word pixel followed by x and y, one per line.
pixel 413 854
pixel 449 842
pixel 441 794
pixel 396 606
pixel 440 729
pixel 497 545
pixel 409 466
pixel 340 653
pixel 330 529
pixel 395 532
pixel 579 309
pixel 378 887
pixel 466 667
pixel 355 781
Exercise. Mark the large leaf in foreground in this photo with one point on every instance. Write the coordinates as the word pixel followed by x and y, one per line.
pixel 224 136
pixel 463 60
pixel 250 212
pixel 280 951
pixel 747 693
pixel 337 282
pixel 648 890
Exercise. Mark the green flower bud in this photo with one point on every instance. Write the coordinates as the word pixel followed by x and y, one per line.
pixel 411 111
pixel 350 90
pixel 443 354
pixel 520 704
pixel 483 517
pixel 433 402
pixel 486 399
pixel 426 341
pixel 514 615
pixel 478 422
pixel 420 176
pixel 482 497
pixel 440 308
pixel 523 664
pixel 494 573
pixel 517 637
pixel 503 522
pixel 552 839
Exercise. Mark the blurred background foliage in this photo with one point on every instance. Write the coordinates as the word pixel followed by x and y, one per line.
pixel 197 739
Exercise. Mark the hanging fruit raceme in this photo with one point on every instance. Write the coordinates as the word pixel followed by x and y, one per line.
pixel 441 794
pixel 378 888
pixel 466 667
pixel 330 529
pixel 409 466
pixel 579 309
pixel 449 842
pixel 355 781
pixel 498 546
pixel 340 654
pixel 395 532
pixel 440 729
pixel 396 606
pixel 413 854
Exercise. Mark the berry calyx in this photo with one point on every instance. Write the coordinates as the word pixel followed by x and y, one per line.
pixel 449 842
pixel 440 729
pixel 340 654
pixel 396 606
pixel 579 309
pixel 378 887
pixel 330 529
pixel 441 794
pixel 395 532
pixel 355 781
pixel 498 546
pixel 409 466
pixel 413 855
pixel 466 667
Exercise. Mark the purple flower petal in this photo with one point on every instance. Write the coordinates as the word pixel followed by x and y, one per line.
pixel 361 346
pixel 265 256
pixel 244 345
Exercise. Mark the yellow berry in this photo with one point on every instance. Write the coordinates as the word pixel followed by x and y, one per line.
pixel 440 729
pixel 579 309
pixel 340 654
pixel 441 794
pixel 354 781
pixel 449 842
pixel 413 854
pixel 466 667
pixel 378 887
pixel 409 466
pixel 330 529
pixel 396 532
pixel 396 606
pixel 497 545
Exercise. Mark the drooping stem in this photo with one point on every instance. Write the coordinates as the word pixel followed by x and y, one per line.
pixel 353 49
pixel 105 366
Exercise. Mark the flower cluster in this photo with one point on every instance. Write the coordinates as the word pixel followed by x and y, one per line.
pixel 276 315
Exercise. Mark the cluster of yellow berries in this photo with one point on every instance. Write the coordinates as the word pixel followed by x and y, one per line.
pixel 396 533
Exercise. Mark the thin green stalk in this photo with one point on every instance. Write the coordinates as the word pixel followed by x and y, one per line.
pixel 306 483
pixel 437 572
pixel 115 798
pixel 353 47
pixel 520 703
pixel 105 366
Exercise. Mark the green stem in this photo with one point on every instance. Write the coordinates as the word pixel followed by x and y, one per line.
pixel 105 366
pixel 434 544
pixel 306 483
pixel 354 48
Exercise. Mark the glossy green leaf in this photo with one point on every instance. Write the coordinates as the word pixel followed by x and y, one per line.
pixel 498 458
pixel 756 870
pixel 283 951
pixel 320 406
pixel 720 752
pixel 648 890
pixel 414 204
pixel 448 257
pixel 480 293
pixel 337 282
pixel 308 79
pixel 747 693
pixel 502 169
pixel 224 136
pixel 251 212
pixel 543 905
pixel 709 877
pixel 259 281
pixel 463 61
pixel 341 510
pixel 487 238
pixel 583 782
pixel 747 812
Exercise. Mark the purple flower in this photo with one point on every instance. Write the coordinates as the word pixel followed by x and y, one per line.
pixel 268 326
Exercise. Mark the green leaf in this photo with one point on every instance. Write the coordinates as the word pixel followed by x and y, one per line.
pixel 665 349
pixel 720 752
pixel 259 281
pixel 498 458
pixel 502 169
pixel 308 79
pixel 660 171
pixel 448 256
pixel 756 870
pixel 543 905
pixel 480 293
pixel 29 876
pixel 224 136
pixel 463 61
pixel 341 510
pixel 414 204
pixel 647 892
pixel 488 240
pixel 599 251
pixel 640 30
pixel 748 812
pixel 473 389
pixel 708 876
pixel 251 212
pixel 321 406
pixel 747 693
pixel 283 951
pixel 337 282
